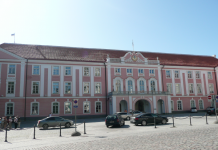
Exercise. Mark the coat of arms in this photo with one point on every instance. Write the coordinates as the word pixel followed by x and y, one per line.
pixel 134 57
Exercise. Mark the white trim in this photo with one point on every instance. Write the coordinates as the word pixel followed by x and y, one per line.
pixel 151 74
pixel 172 105
pixel 194 91
pixel 66 69
pixel 114 109
pixel 49 81
pixel 173 82
pixel 7 94
pixel 152 79
pixel 209 88
pixel 109 78
pixel 181 82
pixel 159 78
pixel 133 83
pixel 141 74
pixel 33 69
pixel 61 81
pixel 58 87
pixel 89 107
pixel 129 74
pixel 154 104
pixel 89 88
pixel 58 107
pixel 191 103
pixel 177 105
pixel 84 71
pixel 59 72
pixel 196 74
pixel 70 87
pixel 92 85
pixel 186 84
pixel 202 104
pixel 174 75
pixel 171 88
pixel 195 84
pixel 6 108
pixel 200 87
pixel 100 87
pixel 121 82
pixel 101 107
pixel 32 88
pixel 99 70
pixel 202 81
pixel 138 84
pixel 70 108
pixel 211 75
pixel 170 74
pixel 14 71
pixel 179 88
pixel 9 53
pixel 31 104
pixel 119 73
pixel 191 74
pixel 80 81
pixel 21 78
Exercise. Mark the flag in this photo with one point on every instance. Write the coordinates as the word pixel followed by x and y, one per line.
pixel 132 44
pixel 13 34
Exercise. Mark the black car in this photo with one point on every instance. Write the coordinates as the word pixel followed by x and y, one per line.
pixel 114 120
pixel 148 118
pixel 211 110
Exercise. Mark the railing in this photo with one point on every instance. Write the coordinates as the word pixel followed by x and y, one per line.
pixel 154 62
pixel 115 60
pixel 138 93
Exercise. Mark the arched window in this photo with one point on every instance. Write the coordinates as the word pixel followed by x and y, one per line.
pixel 152 85
pixel 117 86
pixel 201 104
pixel 55 108
pixel 130 88
pixel 9 109
pixel 141 83
pixel 179 105
pixel 192 103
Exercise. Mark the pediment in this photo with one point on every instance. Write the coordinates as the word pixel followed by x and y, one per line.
pixel 133 57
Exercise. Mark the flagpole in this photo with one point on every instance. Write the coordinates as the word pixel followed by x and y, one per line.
pixel 14 38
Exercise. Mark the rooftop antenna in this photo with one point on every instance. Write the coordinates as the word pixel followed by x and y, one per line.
pixel 133 45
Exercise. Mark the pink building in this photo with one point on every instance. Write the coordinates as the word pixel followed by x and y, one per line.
pixel 37 80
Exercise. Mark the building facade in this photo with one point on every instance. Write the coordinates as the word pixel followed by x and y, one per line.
pixel 38 80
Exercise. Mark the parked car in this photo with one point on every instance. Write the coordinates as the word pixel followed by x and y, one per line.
pixel 53 122
pixel 193 109
pixel 114 120
pixel 148 118
pixel 123 115
pixel 211 111
pixel 135 113
pixel 208 108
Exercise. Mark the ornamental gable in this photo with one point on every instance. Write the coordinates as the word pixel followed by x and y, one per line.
pixel 132 57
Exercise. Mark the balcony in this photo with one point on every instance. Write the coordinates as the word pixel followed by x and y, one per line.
pixel 138 93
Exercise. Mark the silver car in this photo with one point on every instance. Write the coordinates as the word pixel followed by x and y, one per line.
pixel 53 122
pixel 127 116
pixel 135 113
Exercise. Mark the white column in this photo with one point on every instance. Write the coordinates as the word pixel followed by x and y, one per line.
pixel 62 81
pixel 109 77
pixel 92 81
pixel 207 87
pixel 42 80
pixel 154 104
pixel 173 83
pixel 74 80
pixel 194 78
pixel 169 103
pixel 21 78
pixel 182 85
pixel 49 81
pixel 159 78
pixel 130 102
pixel 186 82
pixel 80 81
pixel 202 83
pixel 114 104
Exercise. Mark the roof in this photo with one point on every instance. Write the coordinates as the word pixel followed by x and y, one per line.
pixel 41 52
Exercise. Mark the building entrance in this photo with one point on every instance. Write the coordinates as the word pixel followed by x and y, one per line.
pixel 160 106
pixel 123 106
pixel 143 106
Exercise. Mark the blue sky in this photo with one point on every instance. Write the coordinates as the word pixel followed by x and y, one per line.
pixel 168 26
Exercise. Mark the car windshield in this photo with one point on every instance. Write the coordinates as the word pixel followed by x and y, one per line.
pixel 111 117
pixel 153 115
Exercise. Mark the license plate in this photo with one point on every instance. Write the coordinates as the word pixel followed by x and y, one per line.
pixel 111 121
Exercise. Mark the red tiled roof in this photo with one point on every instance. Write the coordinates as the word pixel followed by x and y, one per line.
pixel 99 55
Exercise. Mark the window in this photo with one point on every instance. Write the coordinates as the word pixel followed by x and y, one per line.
pixel 201 105
pixel 189 74
pixel 117 70
pixel 209 75
pixel 177 88
pixel 11 69
pixel 35 109
pixel 199 88
pixel 168 75
pixel 86 107
pixel 55 87
pixel 141 71
pixel 9 109
pixel 35 70
pixel 98 107
pixel 67 107
pixel 192 103
pixel 191 88
pixel 152 85
pixel 129 70
pixel 211 88
pixel 10 87
pixel 130 87
pixel 141 85
pixel 67 70
pixel 35 89
pixel 86 88
pixel 151 71
pixel 172 106
pixel 118 86
pixel 176 74
pixel 86 71
pixel 98 88
pixel 67 88
pixel 169 88
pixel 197 74
pixel 97 72
pixel 179 105
pixel 55 107
pixel 56 70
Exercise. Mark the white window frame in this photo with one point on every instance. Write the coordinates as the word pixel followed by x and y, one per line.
pixel 89 87
pixel 172 105
pixel 115 71
pixel 192 100
pixel 96 105
pixel 54 69
pixel 130 73
pixel 208 75
pixel 155 81
pixel 58 107
pixel 99 70
pixel 38 88
pixel 199 74
pixel 70 88
pixel 176 73
pixel 200 87
pixel 209 88
pixel 138 83
pixel 65 68
pixel 171 92
pixel 140 74
pixel 58 87
pixel 89 107
pixel 192 88
pixel 31 108
pixel 14 69
pixel 33 69
pixel 6 108
pixel 70 109
pixel 169 74
pixel 133 83
pixel 190 74
pixel 7 88
pixel 151 74
pixel 100 88
pixel 7 94
pixel 181 105
pixel 89 71
pixel 202 104
pixel 114 84
pixel 179 88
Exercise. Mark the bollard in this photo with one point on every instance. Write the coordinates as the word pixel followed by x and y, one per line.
pixel 190 120
pixel 84 127
pixel 6 135
pixel 34 133
pixel 154 122
pixel 206 119
pixel 173 121
pixel 60 129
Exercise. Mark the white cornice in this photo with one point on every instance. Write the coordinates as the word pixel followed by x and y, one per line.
pixel 185 67
pixel 51 97
pixel 9 53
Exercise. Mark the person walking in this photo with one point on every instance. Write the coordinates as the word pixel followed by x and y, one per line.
pixel 15 122
pixel 2 124
pixel 18 121
pixel 5 123
pixel 50 115
pixel 10 122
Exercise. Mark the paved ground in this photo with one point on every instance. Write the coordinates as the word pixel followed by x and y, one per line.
pixel 198 136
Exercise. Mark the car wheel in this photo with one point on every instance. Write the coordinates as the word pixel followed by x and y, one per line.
pixel 128 118
pixel 144 123
pixel 45 126
pixel 67 125
pixel 107 126
pixel 164 121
